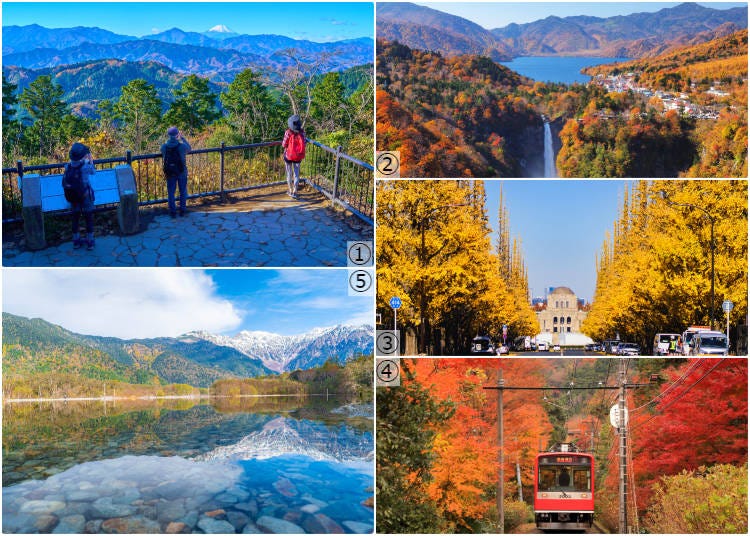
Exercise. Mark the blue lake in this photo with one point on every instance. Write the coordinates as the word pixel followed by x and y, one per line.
pixel 561 69
pixel 257 467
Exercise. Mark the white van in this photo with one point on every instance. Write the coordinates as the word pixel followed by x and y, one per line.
pixel 709 343
pixel 661 343
pixel 687 338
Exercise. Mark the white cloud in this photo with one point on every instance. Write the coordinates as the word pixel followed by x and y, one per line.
pixel 127 303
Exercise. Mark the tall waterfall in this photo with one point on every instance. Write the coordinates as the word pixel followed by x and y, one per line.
pixel 550 170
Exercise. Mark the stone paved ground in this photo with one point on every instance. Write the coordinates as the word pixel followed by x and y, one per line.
pixel 263 228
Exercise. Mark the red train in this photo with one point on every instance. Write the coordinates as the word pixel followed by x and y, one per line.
pixel 564 490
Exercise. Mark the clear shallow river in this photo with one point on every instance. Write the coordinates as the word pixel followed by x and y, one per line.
pixel 247 465
pixel 560 69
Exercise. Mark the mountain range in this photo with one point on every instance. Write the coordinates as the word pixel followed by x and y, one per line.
pixel 197 358
pixel 216 54
pixel 633 35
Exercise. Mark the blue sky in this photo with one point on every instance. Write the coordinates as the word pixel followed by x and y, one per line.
pixel 562 225
pixel 324 21
pixel 492 15
pixel 144 303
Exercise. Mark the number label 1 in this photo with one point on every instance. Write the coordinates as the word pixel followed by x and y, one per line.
pixel 359 253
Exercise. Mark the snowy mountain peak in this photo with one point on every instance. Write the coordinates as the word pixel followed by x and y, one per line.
pixel 220 28
pixel 281 353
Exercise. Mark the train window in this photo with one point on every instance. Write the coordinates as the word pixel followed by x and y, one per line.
pixel 564 478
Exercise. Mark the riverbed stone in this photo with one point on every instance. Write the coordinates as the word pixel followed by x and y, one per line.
pixel 237 519
pixel 310 508
pixel 41 506
pixel 17 522
pixel 45 523
pixel 170 490
pixel 176 527
pixel 104 508
pixel 285 487
pixel 215 526
pixel 84 495
pixel 71 524
pixel 170 511
pixel 93 526
pixel 357 527
pixel 251 528
pixel 322 524
pixel 131 525
pixel 278 526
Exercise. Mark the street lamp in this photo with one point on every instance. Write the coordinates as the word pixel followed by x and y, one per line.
pixel 665 196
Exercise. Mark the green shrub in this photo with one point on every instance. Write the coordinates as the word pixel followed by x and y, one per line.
pixel 707 501
pixel 517 513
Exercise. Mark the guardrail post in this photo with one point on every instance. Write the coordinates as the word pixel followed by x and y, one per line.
pixel 337 168
pixel 221 171
pixel 19 170
pixel 129 157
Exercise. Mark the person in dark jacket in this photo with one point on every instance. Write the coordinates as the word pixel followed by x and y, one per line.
pixel 173 154
pixel 294 152
pixel 80 157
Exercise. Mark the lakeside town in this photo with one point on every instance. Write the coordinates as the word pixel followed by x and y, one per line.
pixel 680 102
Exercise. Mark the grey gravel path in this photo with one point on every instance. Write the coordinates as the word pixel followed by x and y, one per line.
pixel 272 231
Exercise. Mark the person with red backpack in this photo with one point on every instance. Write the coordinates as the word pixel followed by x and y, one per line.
pixel 294 152
pixel 76 183
pixel 173 154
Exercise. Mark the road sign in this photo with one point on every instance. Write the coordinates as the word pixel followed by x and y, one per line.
pixel 395 302
pixel 727 306
pixel 614 415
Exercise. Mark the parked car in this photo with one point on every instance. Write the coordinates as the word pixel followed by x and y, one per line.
pixel 628 348
pixel 502 350
pixel 556 348
pixel 482 345
pixel 542 347
pixel 709 343
pixel 610 346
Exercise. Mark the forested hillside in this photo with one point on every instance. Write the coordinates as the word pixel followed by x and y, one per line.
pixel 453 117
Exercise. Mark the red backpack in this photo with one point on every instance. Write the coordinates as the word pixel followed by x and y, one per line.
pixel 295 149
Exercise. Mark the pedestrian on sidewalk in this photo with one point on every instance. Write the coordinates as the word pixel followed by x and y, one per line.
pixel 294 152
pixel 76 184
pixel 173 154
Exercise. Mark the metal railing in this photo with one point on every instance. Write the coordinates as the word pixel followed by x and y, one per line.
pixel 218 171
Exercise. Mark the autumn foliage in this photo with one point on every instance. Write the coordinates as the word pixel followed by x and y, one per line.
pixel 434 252
pixel 462 480
pixel 654 271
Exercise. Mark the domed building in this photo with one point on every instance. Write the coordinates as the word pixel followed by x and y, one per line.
pixel 561 316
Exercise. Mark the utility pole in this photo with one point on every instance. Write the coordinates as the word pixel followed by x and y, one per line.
pixel 623 522
pixel 618 421
pixel 500 440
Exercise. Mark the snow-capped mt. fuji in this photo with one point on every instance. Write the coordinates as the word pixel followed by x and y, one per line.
pixel 282 353
pixel 220 32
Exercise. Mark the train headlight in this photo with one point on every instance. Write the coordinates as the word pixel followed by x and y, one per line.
pixel 584 495
pixel 544 495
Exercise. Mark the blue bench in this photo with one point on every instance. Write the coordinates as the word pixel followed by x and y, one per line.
pixel 42 194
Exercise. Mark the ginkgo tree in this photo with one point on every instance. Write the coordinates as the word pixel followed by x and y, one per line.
pixel 654 271
pixel 434 252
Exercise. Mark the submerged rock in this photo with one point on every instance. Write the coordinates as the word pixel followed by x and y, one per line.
pixel 278 526
pixel 215 526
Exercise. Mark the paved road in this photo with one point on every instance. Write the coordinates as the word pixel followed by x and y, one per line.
pixel 564 352
pixel 265 228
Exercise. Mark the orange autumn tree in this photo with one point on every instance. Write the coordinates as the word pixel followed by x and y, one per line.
pixel 464 475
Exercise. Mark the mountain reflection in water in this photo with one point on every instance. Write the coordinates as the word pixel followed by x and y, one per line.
pixel 157 469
